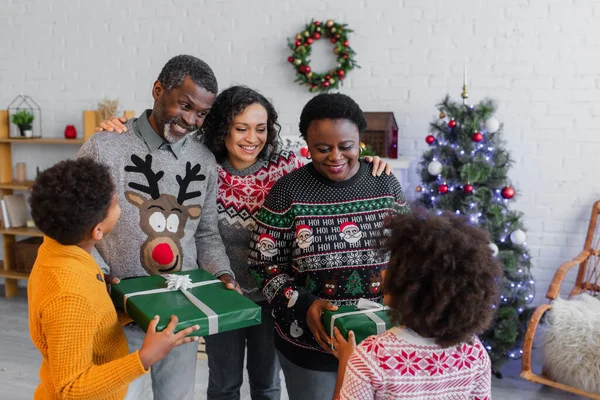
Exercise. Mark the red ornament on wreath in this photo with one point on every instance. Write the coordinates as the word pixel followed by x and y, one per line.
pixel 468 188
pixel 443 189
pixel 452 123
pixel 477 137
pixel 430 139
pixel 507 192
pixel 301 48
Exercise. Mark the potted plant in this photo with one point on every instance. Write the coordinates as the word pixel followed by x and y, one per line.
pixel 23 120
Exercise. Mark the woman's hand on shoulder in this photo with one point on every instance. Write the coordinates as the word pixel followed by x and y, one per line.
pixel 378 165
pixel 113 124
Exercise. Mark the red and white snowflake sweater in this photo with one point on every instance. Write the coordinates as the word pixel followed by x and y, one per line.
pixel 402 365
pixel 240 195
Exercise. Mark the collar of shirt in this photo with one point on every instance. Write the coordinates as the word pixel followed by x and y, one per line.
pixel 144 130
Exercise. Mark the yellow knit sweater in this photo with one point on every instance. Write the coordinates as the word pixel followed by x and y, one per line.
pixel 73 323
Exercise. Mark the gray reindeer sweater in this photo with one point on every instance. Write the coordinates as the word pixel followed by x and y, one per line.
pixel 167 193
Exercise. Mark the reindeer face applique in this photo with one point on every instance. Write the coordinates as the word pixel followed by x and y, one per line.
pixel 162 216
pixel 375 285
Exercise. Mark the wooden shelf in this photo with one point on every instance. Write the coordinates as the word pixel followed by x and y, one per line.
pixel 42 141
pixel 13 274
pixel 22 231
pixel 16 185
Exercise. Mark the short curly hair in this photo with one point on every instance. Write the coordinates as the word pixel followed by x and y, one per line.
pixel 70 198
pixel 228 104
pixel 177 68
pixel 331 106
pixel 442 279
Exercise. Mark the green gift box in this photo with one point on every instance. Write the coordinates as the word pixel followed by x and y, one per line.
pixel 365 319
pixel 206 303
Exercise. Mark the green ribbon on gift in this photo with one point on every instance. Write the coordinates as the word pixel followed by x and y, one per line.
pixel 183 283
pixel 366 307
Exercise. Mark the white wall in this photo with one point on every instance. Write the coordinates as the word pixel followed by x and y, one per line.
pixel 539 59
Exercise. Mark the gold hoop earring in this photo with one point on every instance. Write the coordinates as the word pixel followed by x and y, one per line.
pixel 308 157
pixel 360 150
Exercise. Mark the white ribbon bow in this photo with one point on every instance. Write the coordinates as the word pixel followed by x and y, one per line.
pixel 178 282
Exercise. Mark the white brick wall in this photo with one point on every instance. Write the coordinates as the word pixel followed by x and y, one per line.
pixel 539 59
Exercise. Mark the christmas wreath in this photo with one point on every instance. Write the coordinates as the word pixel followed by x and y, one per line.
pixel 301 49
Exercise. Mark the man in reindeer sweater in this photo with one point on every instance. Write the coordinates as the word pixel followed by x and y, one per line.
pixel 166 186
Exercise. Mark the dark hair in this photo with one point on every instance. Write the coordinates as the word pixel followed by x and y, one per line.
pixel 228 104
pixel 442 279
pixel 331 106
pixel 70 198
pixel 177 68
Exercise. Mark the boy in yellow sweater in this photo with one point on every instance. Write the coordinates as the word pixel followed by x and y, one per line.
pixel 72 320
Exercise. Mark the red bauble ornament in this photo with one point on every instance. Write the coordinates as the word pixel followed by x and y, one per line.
pixel 302 68
pixel 443 189
pixel 317 23
pixel 298 43
pixel 477 137
pixel 333 40
pixel 307 69
pixel 452 123
pixel 345 56
pixel 326 84
pixel 327 77
pixel 468 188
pixel 507 192
pixel 430 139
pixel 316 36
pixel 346 43
pixel 341 73
pixel 309 41
pixel 291 59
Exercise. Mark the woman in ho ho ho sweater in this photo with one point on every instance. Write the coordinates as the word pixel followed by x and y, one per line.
pixel 317 241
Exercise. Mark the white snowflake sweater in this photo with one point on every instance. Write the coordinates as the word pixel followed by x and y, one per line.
pixel 402 365
pixel 321 239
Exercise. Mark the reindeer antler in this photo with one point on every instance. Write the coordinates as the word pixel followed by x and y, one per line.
pixel 191 174
pixel 145 167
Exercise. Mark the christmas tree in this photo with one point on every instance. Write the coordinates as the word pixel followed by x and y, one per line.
pixel 464 171
pixel 354 284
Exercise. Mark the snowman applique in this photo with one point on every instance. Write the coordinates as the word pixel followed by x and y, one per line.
pixel 295 330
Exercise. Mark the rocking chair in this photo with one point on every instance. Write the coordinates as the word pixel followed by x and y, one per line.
pixel 587 281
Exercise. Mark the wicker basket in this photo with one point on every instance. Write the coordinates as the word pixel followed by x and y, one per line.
pixel 26 253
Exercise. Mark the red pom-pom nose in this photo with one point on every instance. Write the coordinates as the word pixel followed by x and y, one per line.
pixel 163 254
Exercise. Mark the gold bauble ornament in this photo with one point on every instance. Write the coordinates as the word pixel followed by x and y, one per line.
pixel 297 61
pixel 418 189
pixel 333 30
pixel 306 33
pixel 298 37
pixel 329 23
pixel 332 81
pixel 442 115
pixel 309 75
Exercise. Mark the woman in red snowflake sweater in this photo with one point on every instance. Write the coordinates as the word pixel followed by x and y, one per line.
pixel 441 286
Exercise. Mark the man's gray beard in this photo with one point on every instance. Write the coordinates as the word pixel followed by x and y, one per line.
pixel 172 138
